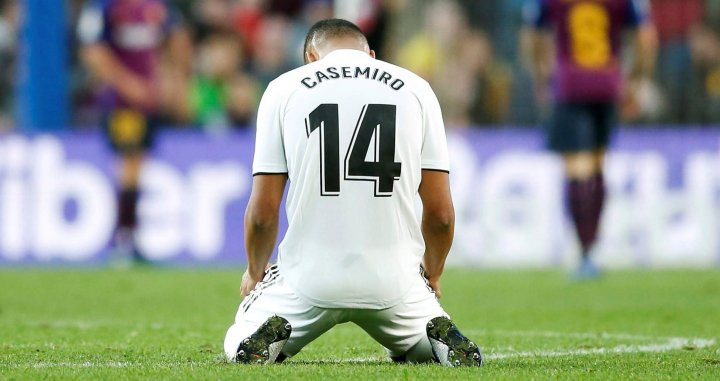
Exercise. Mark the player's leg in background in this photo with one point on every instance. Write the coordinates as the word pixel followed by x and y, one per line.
pixel 129 168
pixel 130 133
pixel 418 330
pixel 580 135
pixel 585 197
pixel 257 325
pixel 604 121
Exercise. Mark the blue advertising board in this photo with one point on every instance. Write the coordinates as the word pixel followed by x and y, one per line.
pixel 57 198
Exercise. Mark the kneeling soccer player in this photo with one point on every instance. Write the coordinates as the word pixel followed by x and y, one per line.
pixel 358 138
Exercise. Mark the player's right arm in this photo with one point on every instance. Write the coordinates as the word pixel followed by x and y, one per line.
pixel 438 218
pixel 93 33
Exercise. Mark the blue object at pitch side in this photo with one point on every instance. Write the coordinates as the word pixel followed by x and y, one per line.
pixel 42 77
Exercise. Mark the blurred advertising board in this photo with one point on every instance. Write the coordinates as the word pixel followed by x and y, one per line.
pixel 57 199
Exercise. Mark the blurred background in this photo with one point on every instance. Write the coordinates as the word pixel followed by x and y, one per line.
pixel 56 183
pixel 468 50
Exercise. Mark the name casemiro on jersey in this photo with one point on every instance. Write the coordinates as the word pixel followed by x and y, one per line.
pixel 366 72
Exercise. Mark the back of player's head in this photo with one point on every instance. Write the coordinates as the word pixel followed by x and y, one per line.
pixel 329 29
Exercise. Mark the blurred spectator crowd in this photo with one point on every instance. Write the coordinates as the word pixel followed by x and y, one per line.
pixel 467 49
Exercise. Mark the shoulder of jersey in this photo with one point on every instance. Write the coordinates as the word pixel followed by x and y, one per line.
pixel 414 80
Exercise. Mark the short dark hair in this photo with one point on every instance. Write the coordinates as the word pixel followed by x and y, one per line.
pixel 331 28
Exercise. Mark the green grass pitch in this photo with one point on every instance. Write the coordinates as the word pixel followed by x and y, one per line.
pixel 169 324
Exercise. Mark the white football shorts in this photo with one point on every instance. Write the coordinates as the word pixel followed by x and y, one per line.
pixel 401 329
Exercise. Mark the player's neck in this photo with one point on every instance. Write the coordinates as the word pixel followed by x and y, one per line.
pixel 343 45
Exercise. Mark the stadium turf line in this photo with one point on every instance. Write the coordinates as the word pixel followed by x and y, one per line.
pixel 169 324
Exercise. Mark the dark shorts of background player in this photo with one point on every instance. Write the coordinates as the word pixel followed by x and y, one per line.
pixel 129 131
pixel 581 126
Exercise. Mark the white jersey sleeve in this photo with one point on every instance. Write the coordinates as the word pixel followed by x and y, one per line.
pixel 434 153
pixel 269 148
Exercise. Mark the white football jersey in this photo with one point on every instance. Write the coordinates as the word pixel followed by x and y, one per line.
pixel 353 134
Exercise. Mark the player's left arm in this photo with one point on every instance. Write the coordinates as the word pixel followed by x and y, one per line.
pixel 177 66
pixel 537 48
pixel 179 42
pixel 645 39
pixel 270 173
pixel 261 226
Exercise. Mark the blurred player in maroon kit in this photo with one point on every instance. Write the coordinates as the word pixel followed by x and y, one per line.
pixel 122 43
pixel 587 83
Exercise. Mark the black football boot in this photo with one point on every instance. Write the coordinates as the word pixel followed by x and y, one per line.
pixel 264 346
pixel 449 346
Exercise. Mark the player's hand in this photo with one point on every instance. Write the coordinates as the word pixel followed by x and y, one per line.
pixel 137 91
pixel 433 281
pixel 248 284
pixel 435 285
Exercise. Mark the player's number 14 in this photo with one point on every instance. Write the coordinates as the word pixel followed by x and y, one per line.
pixel 376 120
